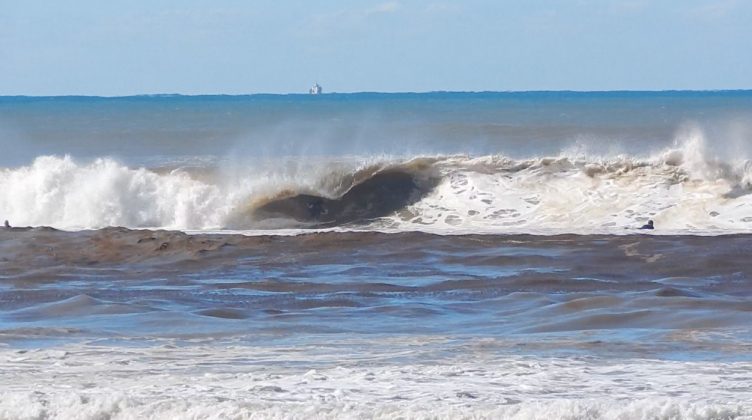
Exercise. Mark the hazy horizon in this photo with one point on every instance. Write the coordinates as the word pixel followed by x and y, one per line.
pixel 468 92
pixel 232 47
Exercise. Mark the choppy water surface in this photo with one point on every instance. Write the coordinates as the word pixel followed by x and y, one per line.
pixel 132 284
pixel 270 324
pixel 377 256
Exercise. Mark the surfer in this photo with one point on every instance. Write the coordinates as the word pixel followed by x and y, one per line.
pixel 7 225
pixel 649 225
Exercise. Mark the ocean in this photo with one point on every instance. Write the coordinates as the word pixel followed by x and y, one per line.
pixel 415 255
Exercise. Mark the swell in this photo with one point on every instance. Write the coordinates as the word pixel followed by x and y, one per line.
pixel 599 261
pixel 499 284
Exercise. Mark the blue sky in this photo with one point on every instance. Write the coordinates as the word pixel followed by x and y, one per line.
pixel 119 47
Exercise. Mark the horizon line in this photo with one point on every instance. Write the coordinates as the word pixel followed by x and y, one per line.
pixel 164 95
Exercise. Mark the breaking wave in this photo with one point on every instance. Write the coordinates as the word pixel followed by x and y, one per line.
pixel 681 188
pixel 98 382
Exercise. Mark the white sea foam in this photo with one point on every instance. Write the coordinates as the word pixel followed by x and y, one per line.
pixel 213 382
pixel 59 192
pixel 683 189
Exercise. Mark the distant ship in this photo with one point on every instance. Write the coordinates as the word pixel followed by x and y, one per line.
pixel 315 90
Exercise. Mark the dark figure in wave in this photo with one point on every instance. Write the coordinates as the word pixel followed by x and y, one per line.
pixel 649 225
pixel 382 194
pixel 7 225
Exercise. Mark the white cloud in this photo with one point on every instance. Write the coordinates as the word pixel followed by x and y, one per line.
pixel 443 8
pixel 715 9
pixel 387 7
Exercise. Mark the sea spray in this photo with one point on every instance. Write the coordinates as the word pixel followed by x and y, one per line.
pixel 60 192
pixel 685 187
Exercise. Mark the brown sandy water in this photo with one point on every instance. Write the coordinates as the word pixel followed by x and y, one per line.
pixel 583 289
pixel 118 323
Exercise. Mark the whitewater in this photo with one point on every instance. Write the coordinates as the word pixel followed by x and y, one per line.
pixel 226 386
pixel 439 255
pixel 684 188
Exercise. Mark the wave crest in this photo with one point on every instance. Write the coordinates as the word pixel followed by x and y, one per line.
pixel 59 192
pixel 685 187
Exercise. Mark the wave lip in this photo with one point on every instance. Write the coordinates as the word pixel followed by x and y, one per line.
pixel 378 196
pixel 683 189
